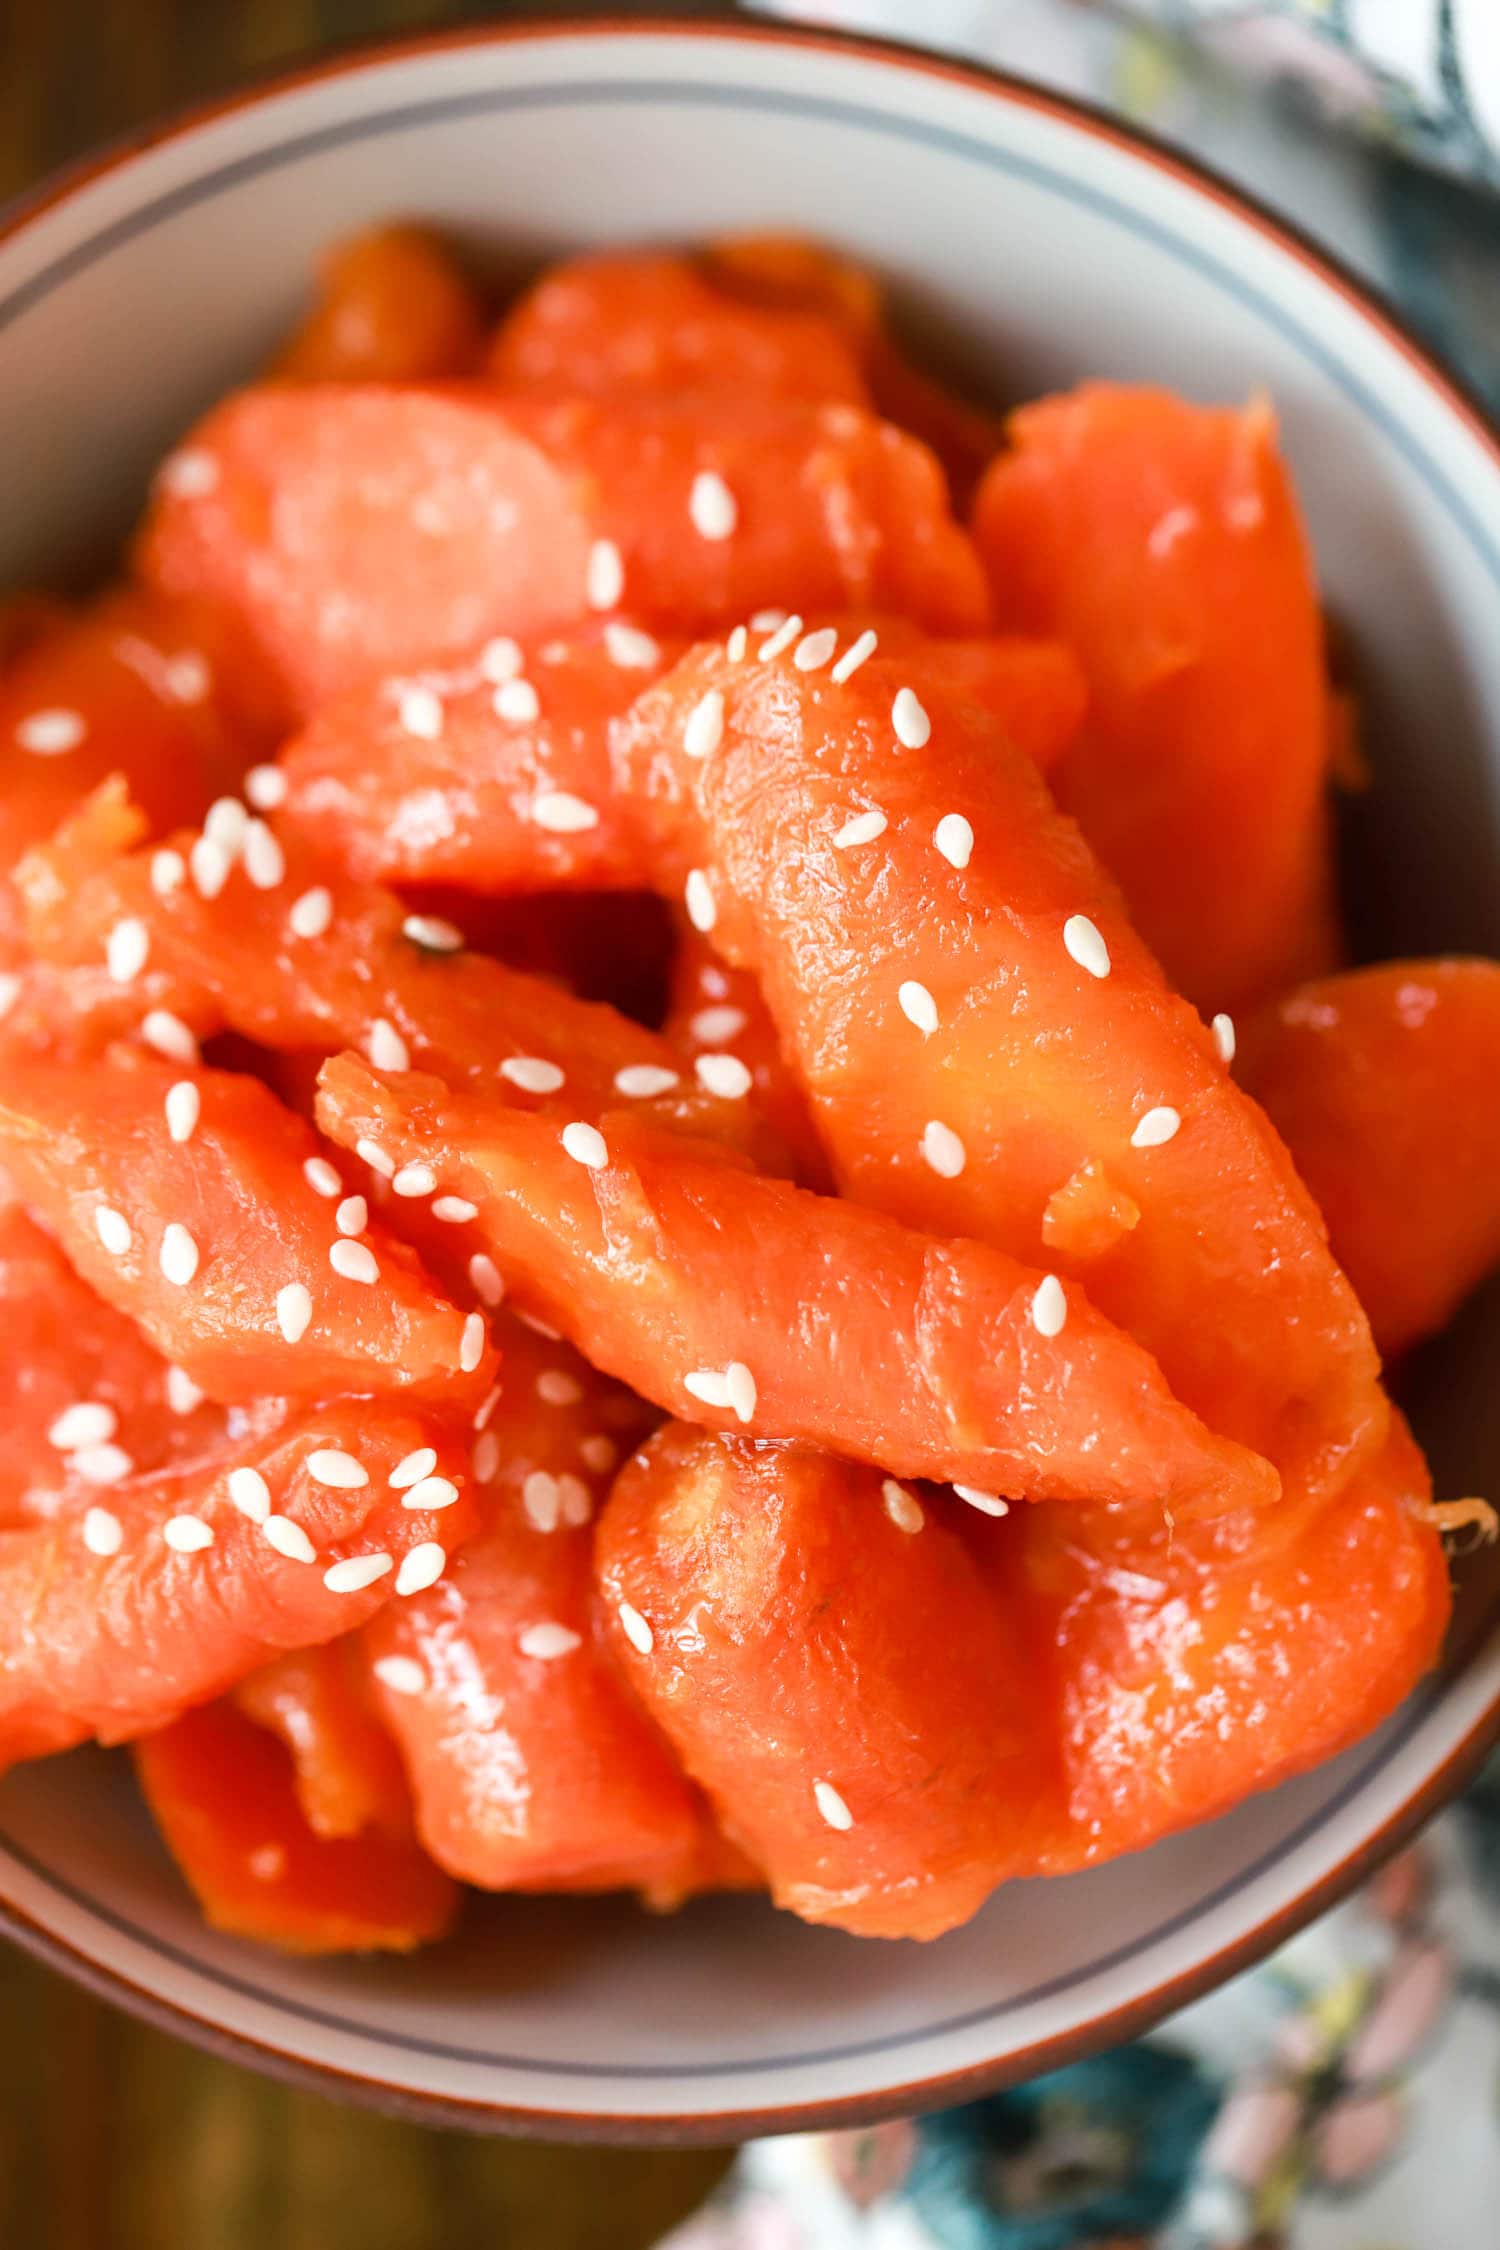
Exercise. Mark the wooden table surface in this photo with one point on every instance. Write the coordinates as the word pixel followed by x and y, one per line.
pixel 114 2137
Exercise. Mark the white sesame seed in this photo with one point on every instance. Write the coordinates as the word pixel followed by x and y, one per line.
pixel 188 676
pixel 814 649
pixel 576 1499
pixel 904 1510
pixel 710 1027
pixel 831 1805
pixel 310 915
pixel 988 1503
pixel 599 1453
pixel 943 1150
pixel 375 1156
pixel 585 1144
pixel 352 1215
pixel 500 659
pixel 183 1394
pixel 1049 1306
pixel 188 475
pixel 330 1465
pixel 472 1343
pixel 89 1422
pixel 182 1107
pixel 386 1047
pixel 724 1076
pixel 854 655
pixel 321 1177
pixel 783 637
pixel 209 865
pixel 354 1261
pixel 431 1493
pixel 1085 945
pixel 127 949
pixel 767 620
pixel 265 786
pixel 101 1464
pixel 169 1036
pixel 631 649
pixel 412 1467
pixel 698 898
pixel 912 725
pixel 288 1539
pixel 712 506
pixel 1223 1031
pixel 563 814
pixel 293 1311
pixel 704 730
pixel 517 701
pixel 422 1567
pixel 641 1082
pixel 225 823
pixel 103 1534
pixel 51 733
pixel 403 1675
pixel 918 1006
pixel 556 1387
pixel 540 1327
pixel 604 581
pixel 267 1863
pixel 739 1384
pixel 548 1642
pixel 709 1385
pixel 420 713
pixel 433 934
pixel 251 1494
pixel 540 1500
pixel 635 1629
pixel 736 645
pixel 1156 1127
pixel 356 1572
pixel 531 1074
pixel 187 1535
pixel 168 872
pixel 10 991
pixel 1168 529
pixel 113 1229
pixel 485 1458
pixel 454 1210
pixel 265 861
pixel 414 1179
pixel 485 1279
pixel 178 1257
pixel 863 828
pixel 954 838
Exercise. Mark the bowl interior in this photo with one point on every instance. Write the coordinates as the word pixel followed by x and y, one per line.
pixel 1032 249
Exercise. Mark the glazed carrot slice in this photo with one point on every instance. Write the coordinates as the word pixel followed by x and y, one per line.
pixel 974 1018
pixel 1383 1083
pixel 177 1585
pixel 392 306
pixel 355 531
pixel 345 1768
pixel 1162 540
pixel 741 1301
pixel 196 1214
pixel 223 1793
pixel 836 1671
pixel 719 1021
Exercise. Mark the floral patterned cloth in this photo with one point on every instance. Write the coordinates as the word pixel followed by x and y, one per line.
pixel 1345 2095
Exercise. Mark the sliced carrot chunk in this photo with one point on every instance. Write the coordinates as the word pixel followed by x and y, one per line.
pixel 392 306
pixel 345 1767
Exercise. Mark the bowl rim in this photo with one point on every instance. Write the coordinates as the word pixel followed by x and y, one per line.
pixel 1111 2025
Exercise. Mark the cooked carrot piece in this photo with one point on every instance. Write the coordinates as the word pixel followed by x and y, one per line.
pixel 177 1585
pixel 217 1243
pixel 392 306
pixel 353 532
pixel 974 1018
pixel 223 1793
pixel 1162 541
pixel 843 1328
pixel 345 1768
pixel 1382 1084
pixel 719 1020
pixel 833 1667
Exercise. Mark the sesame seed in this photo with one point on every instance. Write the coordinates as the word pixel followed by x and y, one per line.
pixel 330 1465
pixel 863 828
pixel 988 1503
pixel 209 865
pixel 251 1494
pixel 783 637
pixel 631 649
pixel 187 1535
pixel 918 1006
pixel 736 645
pixel 640 1082
pixel 698 898
pixel 225 823
pixel 188 475
pixel 712 506
pixel 321 1177
pixel 454 1210
pixel 403 1675
pixel 943 1150
pixel 412 1467
pixel 354 1261
pixel 265 861
pixel 182 1107
pixel 604 581
pixel 599 1453
pixel 854 655
pixel 710 1027
pixel 352 1215
pixel 1156 1127
pixel 814 649
pixel 485 1279
pixel 767 620
pixel 724 1076
pixel 1085 945
pixel 101 1464
pixel 912 725
pixel 419 712
pixel 51 733
pixel 375 1156
pixel 531 1074
pixel 954 838
pixel 831 1805
pixel 178 1256
pixel 576 1500
pixel 10 991
pixel 288 1539
pixel 113 1230
pixel 635 1629
pixel 1168 530
pixel 540 1500
pixel 310 915
pixel 168 872
pixel 126 949
pixel 709 1385
pixel 183 1394
pixel 1223 1031
pixel 548 1642
pixel 103 1534
pixel 485 1458
pixel 267 1863
pixel 414 1179
pixel 87 1423
pixel 517 701
pixel 472 1343
pixel 265 786
pixel 739 1384
pixel 421 1568
pixel 541 1327
pixel 904 1511
pixel 356 1572
pixel 563 814
pixel 556 1387
pixel 433 934
pixel 168 1035
pixel 293 1311
pixel 1049 1306
pixel 386 1047
pixel 500 659
pixel 705 726
pixel 585 1144
pixel 430 1492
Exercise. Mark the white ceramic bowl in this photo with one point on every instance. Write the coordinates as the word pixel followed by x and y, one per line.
pixel 1039 244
